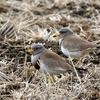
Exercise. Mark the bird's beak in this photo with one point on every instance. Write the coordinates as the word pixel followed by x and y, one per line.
pixel 31 50
pixel 56 35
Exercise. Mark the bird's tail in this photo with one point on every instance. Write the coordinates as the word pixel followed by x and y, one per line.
pixel 81 70
pixel 98 47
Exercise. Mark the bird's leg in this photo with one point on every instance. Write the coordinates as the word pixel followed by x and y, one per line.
pixel 52 79
pixel 79 63
pixel 70 60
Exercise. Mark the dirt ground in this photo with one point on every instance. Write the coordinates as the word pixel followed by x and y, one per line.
pixel 24 22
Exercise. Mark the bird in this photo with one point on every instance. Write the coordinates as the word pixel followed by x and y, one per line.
pixel 73 45
pixel 50 61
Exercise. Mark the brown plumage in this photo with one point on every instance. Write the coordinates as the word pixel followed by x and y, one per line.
pixel 53 63
pixel 76 43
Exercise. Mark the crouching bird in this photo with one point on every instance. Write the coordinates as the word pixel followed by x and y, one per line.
pixel 74 46
pixel 50 62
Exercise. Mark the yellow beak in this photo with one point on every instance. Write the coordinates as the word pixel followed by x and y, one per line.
pixel 57 35
pixel 31 50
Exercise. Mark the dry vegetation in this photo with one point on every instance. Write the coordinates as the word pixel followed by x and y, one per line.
pixel 36 21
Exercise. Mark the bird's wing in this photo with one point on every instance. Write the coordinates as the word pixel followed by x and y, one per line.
pixel 54 61
pixel 76 43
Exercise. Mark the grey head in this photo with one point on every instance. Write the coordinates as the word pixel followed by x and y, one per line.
pixel 64 31
pixel 36 49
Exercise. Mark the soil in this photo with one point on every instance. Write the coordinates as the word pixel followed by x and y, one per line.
pixel 32 22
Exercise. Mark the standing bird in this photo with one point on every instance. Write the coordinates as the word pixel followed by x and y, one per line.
pixel 49 61
pixel 74 46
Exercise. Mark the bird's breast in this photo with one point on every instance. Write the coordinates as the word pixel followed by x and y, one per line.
pixel 72 54
pixel 34 58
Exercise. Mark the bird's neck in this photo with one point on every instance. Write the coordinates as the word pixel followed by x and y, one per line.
pixel 60 41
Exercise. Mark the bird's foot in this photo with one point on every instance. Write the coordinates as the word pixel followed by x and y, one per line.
pixel 52 79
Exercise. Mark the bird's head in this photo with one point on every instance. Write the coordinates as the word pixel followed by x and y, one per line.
pixel 36 49
pixel 63 32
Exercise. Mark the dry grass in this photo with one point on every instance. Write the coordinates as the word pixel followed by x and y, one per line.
pixel 32 20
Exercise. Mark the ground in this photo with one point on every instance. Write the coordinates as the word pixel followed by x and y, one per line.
pixel 36 21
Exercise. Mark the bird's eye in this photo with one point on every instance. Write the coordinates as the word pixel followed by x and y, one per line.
pixel 36 48
pixel 62 32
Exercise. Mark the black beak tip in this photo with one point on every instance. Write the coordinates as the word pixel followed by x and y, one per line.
pixel 54 36
pixel 27 52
